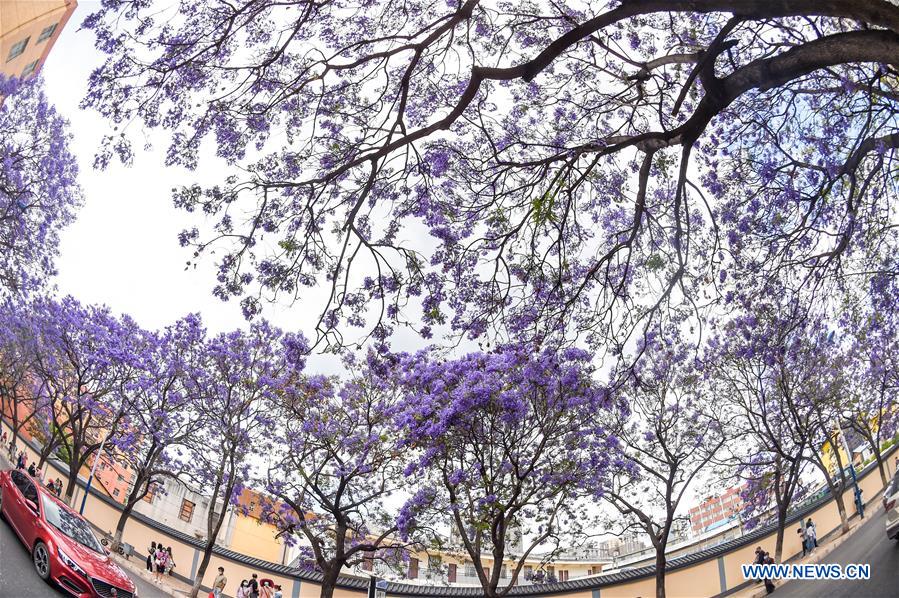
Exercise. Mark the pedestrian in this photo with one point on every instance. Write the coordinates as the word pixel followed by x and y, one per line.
pixel 266 588
pixel 169 561
pixel 218 585
pixel 769 585
pixel 20 463
pixel 811 533
pixel 161 559
pixel 802 539
pixel 244 590
pixel 254 587
pixel 278 593
pixel 31 470
pixel 152 551
pixel 58 487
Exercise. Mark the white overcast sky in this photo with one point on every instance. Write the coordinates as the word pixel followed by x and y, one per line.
pixel 123 249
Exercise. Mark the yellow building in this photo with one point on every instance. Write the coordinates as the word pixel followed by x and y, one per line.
pixel 28 30
pixel 248 534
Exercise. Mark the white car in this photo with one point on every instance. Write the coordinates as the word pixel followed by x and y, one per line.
pixel 891 507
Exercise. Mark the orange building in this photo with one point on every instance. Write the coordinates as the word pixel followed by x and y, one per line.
pixel 28 30
pixel 716 510
pixel 112 476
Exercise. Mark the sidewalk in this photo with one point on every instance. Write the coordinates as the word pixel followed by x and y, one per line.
pixel 171 586
pixel 757 590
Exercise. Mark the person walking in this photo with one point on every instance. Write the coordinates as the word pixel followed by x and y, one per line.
pixel 218 585
pixel 769 585
pixel 244 590
pixel 161 560
pixel 150 556
pixel 254 586
pixel 811 533
pixel 803 539
pixel 31 470
pixel 169 561
pixel 20 462
pixel 278 593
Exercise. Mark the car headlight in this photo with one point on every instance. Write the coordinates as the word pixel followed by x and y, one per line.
pixel 69 562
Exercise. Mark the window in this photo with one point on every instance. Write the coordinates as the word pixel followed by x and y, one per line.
pixel 413 568
pixel 151 490
pixel 451 575
pixel 18 478
pixel 504 572
pixel 17 49
pixel 121 478
pixel 368 560
pixel 47 33
pixel 115 492
pixel 187 510
pixel 435 562
pixel 469 570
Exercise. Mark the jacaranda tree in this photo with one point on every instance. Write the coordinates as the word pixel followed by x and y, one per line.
pixel 39 192
pixel 775 368
pixel 336 472
pixel 579 167
pixel 233 392
pixel 508 444
pixel 159 417
pixel 20 398
pixel 85 356
pixel 674 428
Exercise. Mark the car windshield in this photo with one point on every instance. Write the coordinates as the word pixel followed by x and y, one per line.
pixel 70 524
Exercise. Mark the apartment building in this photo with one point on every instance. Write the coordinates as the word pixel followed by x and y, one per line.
pixel 28 30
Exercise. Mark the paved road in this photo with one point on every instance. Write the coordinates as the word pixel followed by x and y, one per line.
pixel 18 578
pixel 868 544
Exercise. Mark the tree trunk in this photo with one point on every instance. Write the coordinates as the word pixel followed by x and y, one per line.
pixel 201 570
pixel 329 582
pixel 841 507
pixel 15 444
pixel 880 467
pixel 120 526
pixel 71 483
pixel 660 571
pixel 72 480
pixel 781 528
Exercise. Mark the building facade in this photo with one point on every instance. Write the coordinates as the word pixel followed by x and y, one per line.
pixel 716 510
pixel 28 30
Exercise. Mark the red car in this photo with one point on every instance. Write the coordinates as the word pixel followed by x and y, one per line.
pixel 63 546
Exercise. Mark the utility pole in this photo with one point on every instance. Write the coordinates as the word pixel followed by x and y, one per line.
pixel 90 478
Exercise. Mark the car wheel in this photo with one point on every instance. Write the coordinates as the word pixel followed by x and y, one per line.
pixel 41 557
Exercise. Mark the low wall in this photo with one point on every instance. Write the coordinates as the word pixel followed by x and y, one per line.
pixel 709 572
